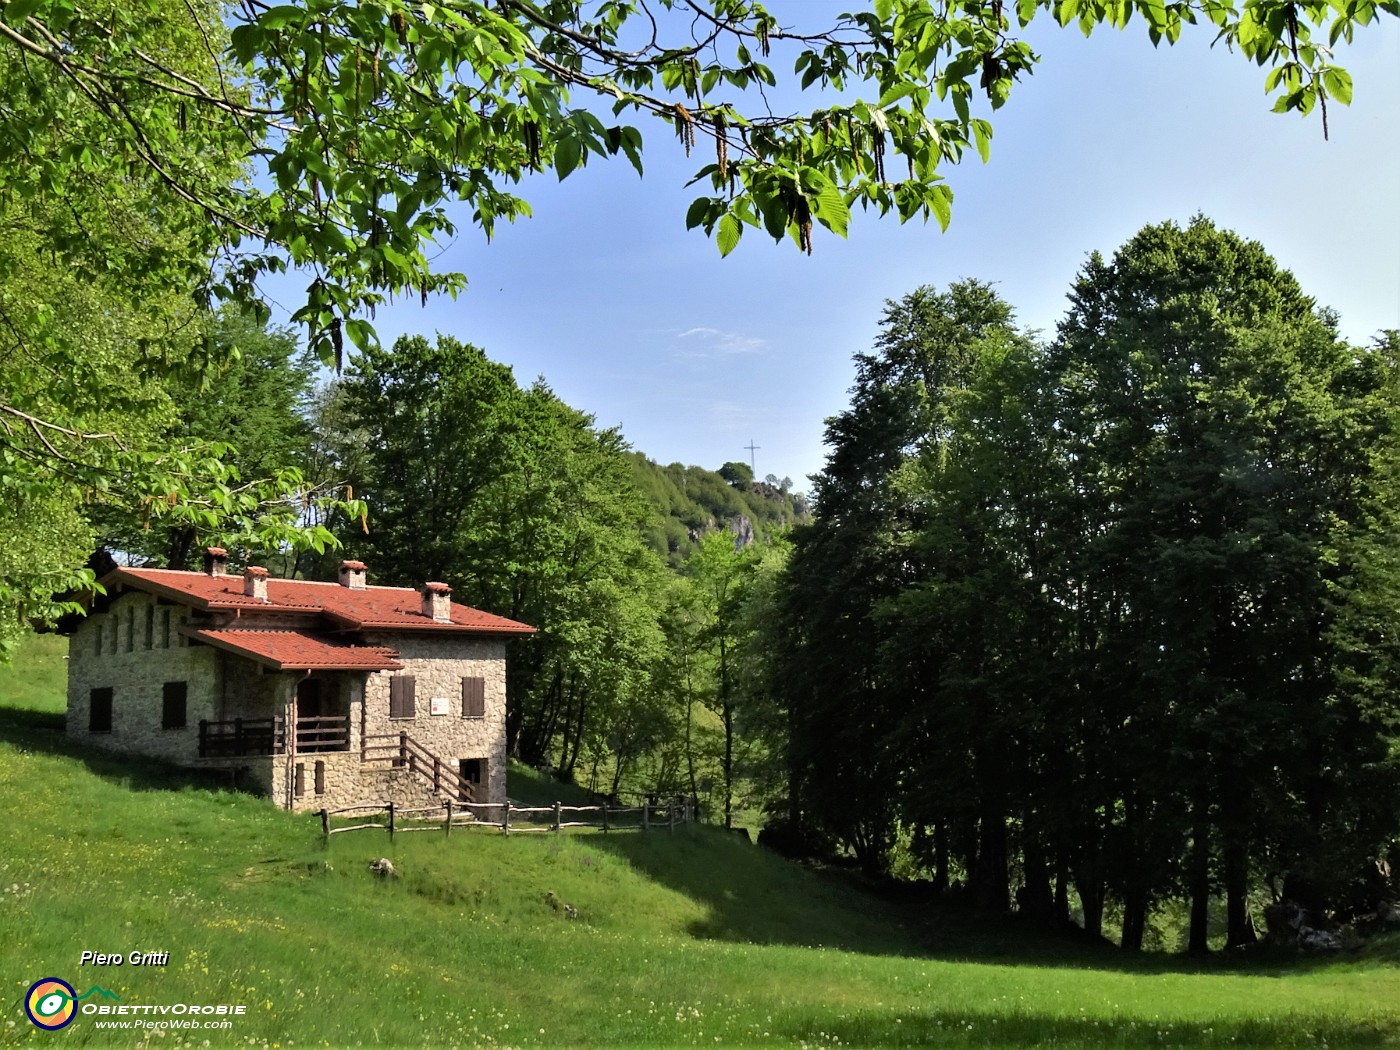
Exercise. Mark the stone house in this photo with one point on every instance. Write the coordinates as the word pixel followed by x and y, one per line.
pixel 316 694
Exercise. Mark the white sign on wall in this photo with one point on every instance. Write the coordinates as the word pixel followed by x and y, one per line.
pixel 438 705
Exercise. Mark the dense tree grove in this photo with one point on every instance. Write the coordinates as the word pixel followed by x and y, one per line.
pixel 1108 622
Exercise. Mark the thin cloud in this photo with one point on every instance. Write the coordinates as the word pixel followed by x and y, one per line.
pixel 703 342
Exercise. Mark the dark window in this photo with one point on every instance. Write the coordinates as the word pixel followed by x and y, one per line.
pixel 100 710
pixel 402 696
pixel 131 631
pixel 97 641
pixel 473 697
pixel 320 777
pixel 301 780
pixel 150 626
pixel 165 629
pixel 172 707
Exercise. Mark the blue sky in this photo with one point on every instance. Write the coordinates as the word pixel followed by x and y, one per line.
pixel 630 317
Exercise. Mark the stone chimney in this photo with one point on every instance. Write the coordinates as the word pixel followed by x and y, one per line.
pixel 437 602
pixel 215 561
pixel 352 575
pixel 255 582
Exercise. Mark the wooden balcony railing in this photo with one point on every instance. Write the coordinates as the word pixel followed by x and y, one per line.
pixel 246 737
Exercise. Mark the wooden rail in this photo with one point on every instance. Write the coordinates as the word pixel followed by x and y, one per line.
pixel 403 752
pixel 241 737
pixel 510 817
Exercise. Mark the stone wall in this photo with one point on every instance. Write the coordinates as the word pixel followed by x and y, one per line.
pixel 134 649
pixel 438 664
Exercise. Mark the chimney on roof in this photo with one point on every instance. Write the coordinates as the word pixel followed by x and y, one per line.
pixel 352 575
pixel 255 582
pixel 437 602
pixel 215 561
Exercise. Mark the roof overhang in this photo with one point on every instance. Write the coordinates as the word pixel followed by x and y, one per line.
pixel 296 650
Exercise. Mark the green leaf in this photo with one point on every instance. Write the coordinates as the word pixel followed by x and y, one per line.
pixel 567 152
pixel 1338 84
pixel 940 199
pixel 982 134
pixel 884 9
pixel 832 210
pixel 16 11
pixel 361 334
pixel 282 17
pixel 730 230
pixel 697 212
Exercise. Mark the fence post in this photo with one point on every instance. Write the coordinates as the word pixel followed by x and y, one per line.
pixel 437 774
pixel 605 818
pixel 505 817
pixel 671 817
pixel 391 820
pixel 447 828
pixel 558 817
pixel 326 823
pixel 646 813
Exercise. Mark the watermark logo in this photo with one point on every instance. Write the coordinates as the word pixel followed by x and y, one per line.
pixel 51 1003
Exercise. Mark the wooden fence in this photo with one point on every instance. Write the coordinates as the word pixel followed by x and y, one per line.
pixel 512 818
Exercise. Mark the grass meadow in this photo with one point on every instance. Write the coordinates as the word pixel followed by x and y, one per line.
pixel 691 939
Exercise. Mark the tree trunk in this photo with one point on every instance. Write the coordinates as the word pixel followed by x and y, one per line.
pixel 1239 927
pixel 991 887
pixel 1198 941
pixel 1091 903
pixel 1036 898
pixel 940 857
pixel 1134 919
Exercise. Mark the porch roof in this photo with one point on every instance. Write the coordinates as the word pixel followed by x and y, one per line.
pixel 298 650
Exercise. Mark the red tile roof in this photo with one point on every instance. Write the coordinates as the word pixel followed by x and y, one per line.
pixel 385 608
pixel 285 650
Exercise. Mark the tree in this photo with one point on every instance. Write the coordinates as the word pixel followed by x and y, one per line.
pixel 97 259
pixel 850 732
pixel 1110 613
pixel 252 401
pixel 721 572
pixel 740 475
pixel 1225 445
pixel 369 119
pixel 529 512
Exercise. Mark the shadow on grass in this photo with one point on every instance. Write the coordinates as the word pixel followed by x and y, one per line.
pixel 949 1028
pixel 754 896
pixel 43 732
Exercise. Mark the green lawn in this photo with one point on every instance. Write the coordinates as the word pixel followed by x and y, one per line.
pixel 692 939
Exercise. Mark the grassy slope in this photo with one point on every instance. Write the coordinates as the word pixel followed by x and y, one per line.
pixel 695 939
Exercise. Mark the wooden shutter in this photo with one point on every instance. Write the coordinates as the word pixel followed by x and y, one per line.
pixel 402 696
pixel 473 697
pixel 100 711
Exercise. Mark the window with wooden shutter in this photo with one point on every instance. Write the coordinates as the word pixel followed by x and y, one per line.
pixel 100 711
pixel 402 696
pixel 473 697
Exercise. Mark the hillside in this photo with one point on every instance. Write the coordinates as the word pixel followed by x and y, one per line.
pixel 691 501
pixel 692 939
